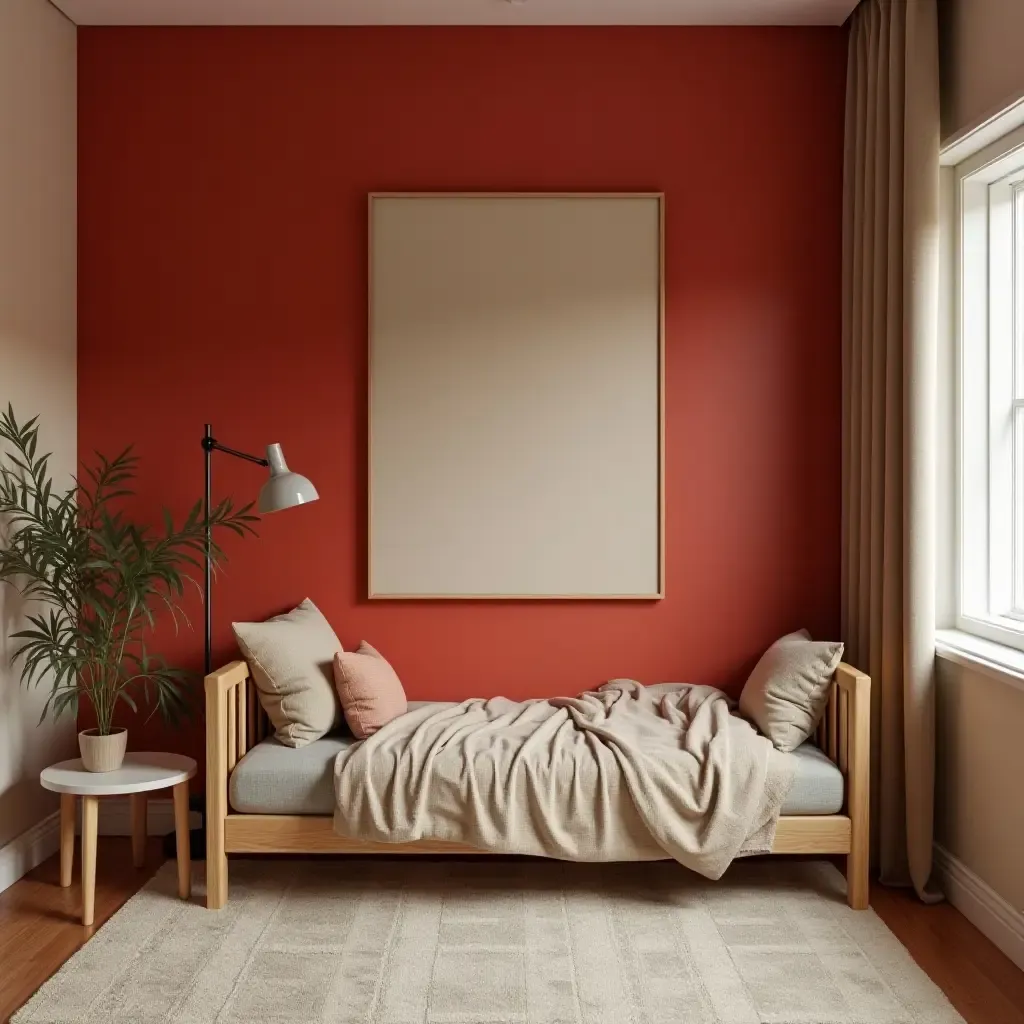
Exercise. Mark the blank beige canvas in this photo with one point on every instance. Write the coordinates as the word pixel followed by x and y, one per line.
pixel 515 420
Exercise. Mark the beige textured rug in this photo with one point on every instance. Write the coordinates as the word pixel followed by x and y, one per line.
pixel 487 942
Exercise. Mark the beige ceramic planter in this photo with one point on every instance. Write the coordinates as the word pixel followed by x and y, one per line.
pixel 102 753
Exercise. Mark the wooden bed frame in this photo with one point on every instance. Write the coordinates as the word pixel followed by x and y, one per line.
pixel 235 723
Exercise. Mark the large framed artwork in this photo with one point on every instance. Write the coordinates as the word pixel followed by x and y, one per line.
pixel 516 406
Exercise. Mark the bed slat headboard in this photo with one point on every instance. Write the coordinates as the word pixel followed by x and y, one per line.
pixel 832 735
pixel 843 735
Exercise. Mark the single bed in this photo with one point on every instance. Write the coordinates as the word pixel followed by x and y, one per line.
pixel 264 797
pixel 274 779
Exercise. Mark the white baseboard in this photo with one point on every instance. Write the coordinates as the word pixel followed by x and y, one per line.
pixel 42 840
pixel 993 916
pixel 29 850
pixel 116 820
pixel 116 817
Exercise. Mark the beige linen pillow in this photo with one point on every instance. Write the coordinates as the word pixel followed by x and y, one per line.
pixel 787 692
pixel 290 657
pixel 370 690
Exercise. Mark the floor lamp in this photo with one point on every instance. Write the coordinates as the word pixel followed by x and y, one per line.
pixel 284 489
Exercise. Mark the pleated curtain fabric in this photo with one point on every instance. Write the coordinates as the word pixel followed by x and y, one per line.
pixel 890 332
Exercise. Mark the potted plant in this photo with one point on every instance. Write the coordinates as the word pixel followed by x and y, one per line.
pixel 101 580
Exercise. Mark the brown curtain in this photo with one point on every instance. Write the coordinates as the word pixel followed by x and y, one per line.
pixel 890 319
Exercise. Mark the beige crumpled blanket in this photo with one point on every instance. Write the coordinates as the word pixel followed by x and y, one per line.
pixel 623 773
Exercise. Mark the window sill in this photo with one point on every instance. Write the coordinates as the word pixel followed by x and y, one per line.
pixel 995 660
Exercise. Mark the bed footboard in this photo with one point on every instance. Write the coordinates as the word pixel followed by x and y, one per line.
pixel 235 722
pixel 844 735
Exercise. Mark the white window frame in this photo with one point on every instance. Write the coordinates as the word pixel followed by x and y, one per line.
pixel 989 338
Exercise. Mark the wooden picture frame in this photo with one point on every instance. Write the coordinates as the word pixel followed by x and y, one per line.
pixel 426 539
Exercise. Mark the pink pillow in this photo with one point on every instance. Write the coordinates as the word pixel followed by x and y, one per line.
pixel 370 690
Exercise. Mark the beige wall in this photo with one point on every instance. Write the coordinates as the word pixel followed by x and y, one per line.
pixel 981 62
pixel 980 750
pixel 980 816
pixel 37 332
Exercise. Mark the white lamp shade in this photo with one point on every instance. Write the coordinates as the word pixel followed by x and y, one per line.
pixel 284 489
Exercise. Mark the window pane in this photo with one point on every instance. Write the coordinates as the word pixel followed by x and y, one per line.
pixel 1018 402
pixel 1018 290
pixel 1018 509
pixel 1004 207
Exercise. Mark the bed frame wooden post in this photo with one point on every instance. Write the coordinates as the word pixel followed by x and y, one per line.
pixel 227 739
pixel 855 712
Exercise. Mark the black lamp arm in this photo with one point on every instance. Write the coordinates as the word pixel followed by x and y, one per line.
pixel 212 445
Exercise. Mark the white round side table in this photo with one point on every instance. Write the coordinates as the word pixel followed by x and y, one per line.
pixel 140 774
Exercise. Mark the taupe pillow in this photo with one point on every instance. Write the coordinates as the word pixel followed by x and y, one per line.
pixel 787 692
pixel 292 661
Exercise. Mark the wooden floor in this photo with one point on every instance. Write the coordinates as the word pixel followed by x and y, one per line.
pixel 40 923
pixel 983 984
pixel 39 930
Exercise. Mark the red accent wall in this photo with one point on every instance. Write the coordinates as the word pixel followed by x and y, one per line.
pixel 222 271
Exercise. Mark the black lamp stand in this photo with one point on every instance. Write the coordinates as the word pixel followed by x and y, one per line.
pixel 196 802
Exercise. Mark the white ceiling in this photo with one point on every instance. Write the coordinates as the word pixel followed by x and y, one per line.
pixel 457 12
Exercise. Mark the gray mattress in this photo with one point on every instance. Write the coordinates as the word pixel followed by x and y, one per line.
pixel 275 779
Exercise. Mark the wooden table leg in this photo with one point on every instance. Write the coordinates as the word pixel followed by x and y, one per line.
pixel 67 837
pixel 139 806
pixel 182 837
pixel 90 821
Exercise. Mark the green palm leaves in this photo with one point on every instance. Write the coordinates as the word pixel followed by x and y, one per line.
pixel 97 579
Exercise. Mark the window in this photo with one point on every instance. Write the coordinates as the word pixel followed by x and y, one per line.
pixel 990 341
